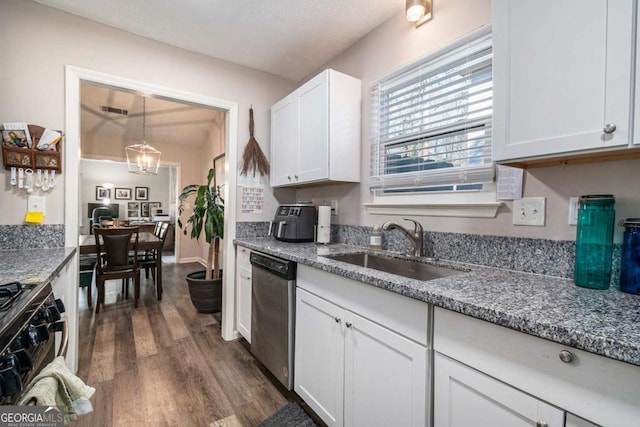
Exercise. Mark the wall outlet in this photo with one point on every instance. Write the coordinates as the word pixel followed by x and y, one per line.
pixel 36 204
pixel 573 210
pixel 334 207
pixel 529 211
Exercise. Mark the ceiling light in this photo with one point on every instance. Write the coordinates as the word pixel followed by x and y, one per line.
pixel 143 159
pixel 418 11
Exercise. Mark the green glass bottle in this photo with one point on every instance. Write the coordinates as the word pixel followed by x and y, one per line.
pixel 594 241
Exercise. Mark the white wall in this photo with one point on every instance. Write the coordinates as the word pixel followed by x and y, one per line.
pixel 43 40
pixel 396 43
pixel 96 173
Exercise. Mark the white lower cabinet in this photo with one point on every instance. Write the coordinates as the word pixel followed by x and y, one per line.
pixel 485 374
pixel 243 292
pixel 385 376
pixel 575 421
pixel 464 397
pixel 319 361
pixel 354 370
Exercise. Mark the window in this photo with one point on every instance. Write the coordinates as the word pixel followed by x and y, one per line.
pixel 432 121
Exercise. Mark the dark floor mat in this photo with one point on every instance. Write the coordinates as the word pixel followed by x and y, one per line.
pixel 290 415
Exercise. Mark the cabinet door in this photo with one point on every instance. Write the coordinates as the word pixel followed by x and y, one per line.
pixel 386 376
pixel 465 397
pixel 243 292
pixel 562 72
pixel 284 141
pixel 244 303
pixel 313 146
pixel 319 356
pixel 575 421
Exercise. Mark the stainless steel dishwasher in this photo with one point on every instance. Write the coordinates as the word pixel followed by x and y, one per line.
pixel 273 287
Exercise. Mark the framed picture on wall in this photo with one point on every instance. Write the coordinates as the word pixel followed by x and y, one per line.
pixel 142 193
pixel 144 209
pixel 123 194
pixel 102 193
pixel 133 209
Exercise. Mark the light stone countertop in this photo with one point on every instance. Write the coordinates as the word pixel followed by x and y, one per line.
pixel 33 266
pixel 601 322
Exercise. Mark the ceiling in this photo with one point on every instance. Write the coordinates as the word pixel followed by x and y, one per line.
pixel 165 121
pixel 288 38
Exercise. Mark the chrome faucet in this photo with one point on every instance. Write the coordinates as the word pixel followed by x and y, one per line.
pixel 416 237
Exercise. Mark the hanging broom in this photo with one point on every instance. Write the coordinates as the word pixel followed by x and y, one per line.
pixel 253 159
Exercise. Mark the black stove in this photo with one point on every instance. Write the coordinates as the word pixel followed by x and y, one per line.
pixel 29 319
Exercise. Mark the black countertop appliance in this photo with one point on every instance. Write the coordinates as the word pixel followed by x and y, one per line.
pixel 294 223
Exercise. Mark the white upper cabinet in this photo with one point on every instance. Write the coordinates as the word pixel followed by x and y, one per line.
pixel 284 139
pixel 562 76
pixel 315 132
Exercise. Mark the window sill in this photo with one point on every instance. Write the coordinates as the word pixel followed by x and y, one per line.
pixel 462 210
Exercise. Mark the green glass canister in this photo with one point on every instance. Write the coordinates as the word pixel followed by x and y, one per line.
pixel 594 241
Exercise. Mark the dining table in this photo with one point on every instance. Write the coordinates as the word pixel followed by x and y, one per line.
pixel 147 241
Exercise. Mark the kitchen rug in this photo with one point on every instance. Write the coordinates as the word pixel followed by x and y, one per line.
pixel 290 415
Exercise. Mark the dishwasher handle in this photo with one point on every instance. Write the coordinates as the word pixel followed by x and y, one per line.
pixel 280 267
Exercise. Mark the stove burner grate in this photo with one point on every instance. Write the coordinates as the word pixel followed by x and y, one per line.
pixel 8 293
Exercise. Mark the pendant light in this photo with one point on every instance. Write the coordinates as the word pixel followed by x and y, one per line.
pixel 143 159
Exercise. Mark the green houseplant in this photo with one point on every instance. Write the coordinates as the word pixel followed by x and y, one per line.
pixel 205 287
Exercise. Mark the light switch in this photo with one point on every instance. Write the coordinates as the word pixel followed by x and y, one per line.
pixel 573 210
pixel 35 204
pixel 529 211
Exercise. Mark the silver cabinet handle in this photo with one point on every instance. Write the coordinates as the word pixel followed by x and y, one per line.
pixel 296 177
pixel 337 319
pixel 348 324
pixel 541 424
pixel 609 128
pixel 289 178
pixel 566 356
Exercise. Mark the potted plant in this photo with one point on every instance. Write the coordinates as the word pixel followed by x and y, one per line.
pixel 205 287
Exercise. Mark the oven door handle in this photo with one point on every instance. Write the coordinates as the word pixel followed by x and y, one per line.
pixel 64 344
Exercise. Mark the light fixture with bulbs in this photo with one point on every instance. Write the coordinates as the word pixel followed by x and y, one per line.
pixel 143 159
pixel 419 11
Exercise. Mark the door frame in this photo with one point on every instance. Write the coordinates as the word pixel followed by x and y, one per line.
pixel 74 76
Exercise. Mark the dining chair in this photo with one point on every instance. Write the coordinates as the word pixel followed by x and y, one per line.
pixel 101 211
pixel 87 264
pixel 114 260
pixel 153 259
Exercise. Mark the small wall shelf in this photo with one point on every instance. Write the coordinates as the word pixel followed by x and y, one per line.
pixel 31 157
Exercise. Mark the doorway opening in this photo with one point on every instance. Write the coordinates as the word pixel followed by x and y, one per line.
pixel 77 78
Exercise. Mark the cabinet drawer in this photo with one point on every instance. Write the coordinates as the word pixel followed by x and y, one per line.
pixel 597 388
pixel 242 259
pixel 406 316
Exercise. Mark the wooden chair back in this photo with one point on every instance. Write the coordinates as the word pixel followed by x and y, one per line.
pixel 162 232
pixel 113 246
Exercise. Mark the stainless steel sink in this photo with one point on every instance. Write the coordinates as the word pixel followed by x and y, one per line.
pixel 401 267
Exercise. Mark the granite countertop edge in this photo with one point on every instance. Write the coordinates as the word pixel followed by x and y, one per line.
pixel 600 322
pixel 33 266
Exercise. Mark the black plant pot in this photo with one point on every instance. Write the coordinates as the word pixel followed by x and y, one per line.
pixel 206 295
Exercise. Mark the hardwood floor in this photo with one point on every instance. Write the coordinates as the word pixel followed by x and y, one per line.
pixel 164 364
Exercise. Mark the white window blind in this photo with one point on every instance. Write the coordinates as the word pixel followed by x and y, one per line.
pixel 432 121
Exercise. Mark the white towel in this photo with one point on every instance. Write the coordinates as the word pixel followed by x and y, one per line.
pixel 56 385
